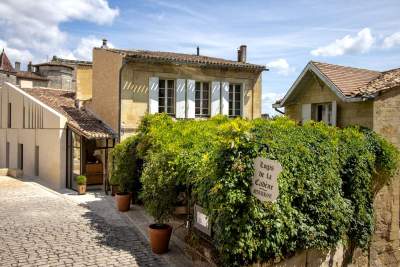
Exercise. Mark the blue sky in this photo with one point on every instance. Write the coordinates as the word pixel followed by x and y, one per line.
pixel 283 35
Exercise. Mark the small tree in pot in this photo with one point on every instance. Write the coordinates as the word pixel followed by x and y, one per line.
pixel 159 195
pixel 81 181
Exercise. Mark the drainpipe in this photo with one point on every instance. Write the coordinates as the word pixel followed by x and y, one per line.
pixel 124 63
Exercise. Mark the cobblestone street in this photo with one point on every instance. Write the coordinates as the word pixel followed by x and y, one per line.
pixel 42 228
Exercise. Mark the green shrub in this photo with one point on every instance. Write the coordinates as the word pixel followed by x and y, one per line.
pixel 125 167
pixel 80 179
pixel 326 187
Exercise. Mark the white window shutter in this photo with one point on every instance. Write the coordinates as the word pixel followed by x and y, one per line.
pixel 180 98
pixel 305 112
pixel 153 95
pixel 215 98
pixel 334 114
pixel 191 108
pixel 225 98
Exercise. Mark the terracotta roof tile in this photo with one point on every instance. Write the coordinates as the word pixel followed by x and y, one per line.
pixel 5 64
pixel 180 58
pixel 80 120
pixel 348 80
pixel 386 80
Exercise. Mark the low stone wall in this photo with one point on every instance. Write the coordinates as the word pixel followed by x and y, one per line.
pixel 11 172
pixel 337 257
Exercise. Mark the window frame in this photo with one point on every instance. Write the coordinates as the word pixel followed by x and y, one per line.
pixel 202 100
pixel 166 96
pixel 232 111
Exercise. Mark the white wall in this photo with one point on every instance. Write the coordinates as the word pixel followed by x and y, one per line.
pixel 46 129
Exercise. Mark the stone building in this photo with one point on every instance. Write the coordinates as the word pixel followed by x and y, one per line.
pixel 7 72
pixel 127 84
pixel 59 75
pixel 45 134
pixel 29 78
pixel 345 96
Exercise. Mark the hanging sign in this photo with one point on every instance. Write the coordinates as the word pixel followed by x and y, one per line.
pixel 265 180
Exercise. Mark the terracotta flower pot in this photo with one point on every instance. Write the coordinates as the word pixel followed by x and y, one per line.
pixel 123 201
pixel 81 189
pixel 160 234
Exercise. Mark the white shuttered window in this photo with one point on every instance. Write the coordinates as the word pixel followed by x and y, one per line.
pixel 166 96
pixel 190 105
pixel 153 95
pixel 225 98
pixel 215 98
pixel 180 98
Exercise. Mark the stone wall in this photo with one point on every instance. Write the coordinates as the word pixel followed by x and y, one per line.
pixel 7 77
pixel 385 248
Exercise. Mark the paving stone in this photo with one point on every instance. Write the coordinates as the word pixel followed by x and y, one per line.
pixel 41 228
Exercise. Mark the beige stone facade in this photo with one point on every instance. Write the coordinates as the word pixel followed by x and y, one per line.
pixel 380 112
pixel 121 87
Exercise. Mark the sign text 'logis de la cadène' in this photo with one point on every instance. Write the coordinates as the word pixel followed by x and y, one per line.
pixel 265 179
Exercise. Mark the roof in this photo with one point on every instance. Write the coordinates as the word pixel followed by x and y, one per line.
pixel 347 79
pixel 5 64
pixel 30 76
pixel 179 58
pixel 80 120
pixel 56 59
pixel 348 83
pixel 386 80
pixel 53 64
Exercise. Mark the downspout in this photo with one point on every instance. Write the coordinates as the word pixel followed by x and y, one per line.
pixel 124 63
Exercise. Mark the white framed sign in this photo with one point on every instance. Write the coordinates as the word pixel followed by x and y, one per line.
pixel 265 179
pixel 201 221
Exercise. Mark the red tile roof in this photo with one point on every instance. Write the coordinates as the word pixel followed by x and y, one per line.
pixel 347 79
pixel 386 80
pixel 80 120
pixel 179 58
pixel 5 64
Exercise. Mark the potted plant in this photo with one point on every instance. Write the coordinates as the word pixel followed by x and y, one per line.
pixel 81 181
pixel 159 196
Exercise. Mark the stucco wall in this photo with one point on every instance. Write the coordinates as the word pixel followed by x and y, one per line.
pixel 311 91
pixel 47 130
pixel 83 81
pixel 106 68
pixel 135 83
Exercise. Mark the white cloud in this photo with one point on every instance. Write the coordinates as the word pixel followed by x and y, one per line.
pixel 360 43
pixel 267 100
pixel 392 40
pixel 34 26
pixel 17 55
pixel 281 66
pixel 85 47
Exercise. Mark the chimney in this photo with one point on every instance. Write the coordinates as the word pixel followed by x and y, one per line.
pixel 17 66
pixel 30 66
pixel 242 53
pixel 104 45
pixel 198 51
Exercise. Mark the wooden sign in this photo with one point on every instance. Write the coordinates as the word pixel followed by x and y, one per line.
pixel 265 180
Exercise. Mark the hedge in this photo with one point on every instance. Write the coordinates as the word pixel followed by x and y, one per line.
pixel 326 188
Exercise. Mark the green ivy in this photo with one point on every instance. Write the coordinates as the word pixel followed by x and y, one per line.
pixel 326 188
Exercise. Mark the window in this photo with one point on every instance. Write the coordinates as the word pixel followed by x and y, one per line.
pixel 9 116
pixel 21 156
pixel 322 112
pixel 8 155
pixel 202 99
pixel 166 97
pixel 23 117
pixel 36 160
pixel 235 103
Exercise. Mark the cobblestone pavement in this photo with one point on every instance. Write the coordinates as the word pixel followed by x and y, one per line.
pixel 41 228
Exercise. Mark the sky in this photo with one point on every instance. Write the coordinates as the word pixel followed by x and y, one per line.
pixel 283 35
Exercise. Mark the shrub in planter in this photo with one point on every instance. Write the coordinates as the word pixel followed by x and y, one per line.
pixel 124 172
pixel 159 195
pixel 81 182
